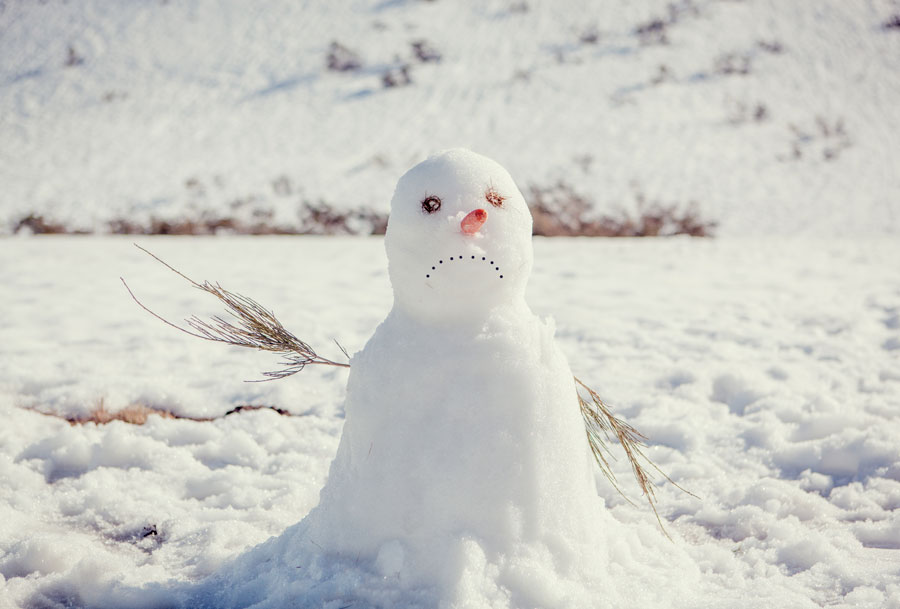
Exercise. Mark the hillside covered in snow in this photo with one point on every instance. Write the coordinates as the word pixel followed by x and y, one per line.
pixel 760 116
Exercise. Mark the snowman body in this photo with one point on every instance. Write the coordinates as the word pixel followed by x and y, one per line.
pixel 463 441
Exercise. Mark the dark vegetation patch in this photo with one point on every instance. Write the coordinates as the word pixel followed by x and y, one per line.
pixel 396 73
pixel 825 138
pixel 652 32
pixel 558 210
pixel 398 76
pixel 73 58
pixel 892 23
pixel 741 112
pixel 656 30
pixel 36 224
pixel 342 59
pixel 561 211
pixel 138 414
pixel 424 51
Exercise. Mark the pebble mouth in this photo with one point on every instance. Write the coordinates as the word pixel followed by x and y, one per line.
pixel 471 259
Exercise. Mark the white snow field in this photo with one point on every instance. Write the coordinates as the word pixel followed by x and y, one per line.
pixel 770 116
pixel 765 372
pixel 763 365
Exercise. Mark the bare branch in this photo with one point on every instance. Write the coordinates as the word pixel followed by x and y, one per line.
pixel 253 326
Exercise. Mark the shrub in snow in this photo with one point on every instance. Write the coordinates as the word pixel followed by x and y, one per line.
pixel 652 32
pixel 342 59
pixel 397 77
pixel 424 52
pixel 36 224
pixel 73 58
pixel 828 138
pixel 559 210
pixel 892 24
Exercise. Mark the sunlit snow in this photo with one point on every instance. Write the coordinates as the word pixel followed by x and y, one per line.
pixel 763 364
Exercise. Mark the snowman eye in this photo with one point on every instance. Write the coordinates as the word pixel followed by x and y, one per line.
pixel 431 204
pixel 494 198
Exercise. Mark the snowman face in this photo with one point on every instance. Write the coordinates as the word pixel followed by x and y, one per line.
pixel 459 237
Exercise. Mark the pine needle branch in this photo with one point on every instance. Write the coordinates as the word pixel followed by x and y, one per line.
pixel 252 326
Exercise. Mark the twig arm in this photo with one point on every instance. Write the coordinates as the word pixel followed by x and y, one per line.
pixel 160 317
pixel 254 327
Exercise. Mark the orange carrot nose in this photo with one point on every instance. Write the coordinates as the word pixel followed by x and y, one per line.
pixel 474 220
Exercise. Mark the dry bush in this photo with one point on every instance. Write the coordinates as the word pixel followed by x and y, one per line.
pixel 323 219
pixel 655 31
pixel 36 224
pixel 73 58
pixel 204 224
pixel 740 112
pixel 730 64
pixel 829 137
pixel 313 219
pixel 652 32
pixel 589 35
pixel 893 23
pixel 197 226
pixel 342 59
pixel 425 52
pixel 397 77
pixel 557 210
pixel 560 211
pixel 771 46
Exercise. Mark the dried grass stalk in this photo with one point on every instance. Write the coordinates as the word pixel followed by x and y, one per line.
pixel 253 326
pixel 601 425
pixel 135 414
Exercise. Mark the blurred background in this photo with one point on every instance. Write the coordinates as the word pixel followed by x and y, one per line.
pixel 706 117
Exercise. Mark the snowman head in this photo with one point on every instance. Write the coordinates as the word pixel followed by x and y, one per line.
pixel 458 239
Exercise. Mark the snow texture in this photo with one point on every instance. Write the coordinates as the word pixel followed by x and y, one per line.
pixel 763 366
pixel 762 371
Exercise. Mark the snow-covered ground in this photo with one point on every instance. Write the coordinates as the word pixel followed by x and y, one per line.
pixel 769 116
pixel 763 365
pixel 765 372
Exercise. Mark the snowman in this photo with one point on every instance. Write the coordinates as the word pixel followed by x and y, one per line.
pixel 463 444
pixel 463 477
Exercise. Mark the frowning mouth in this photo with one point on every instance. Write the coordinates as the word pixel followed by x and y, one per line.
pixel 460 260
